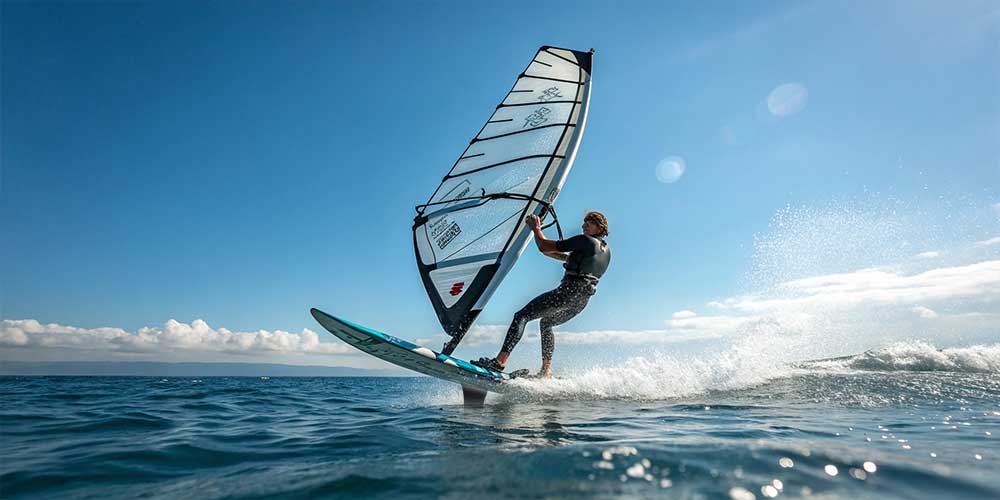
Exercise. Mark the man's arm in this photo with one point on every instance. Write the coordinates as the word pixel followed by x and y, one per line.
pixel 545 245
pixel 557 255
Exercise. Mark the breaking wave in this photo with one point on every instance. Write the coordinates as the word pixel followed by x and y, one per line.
pixel 657 376
pixel 918 357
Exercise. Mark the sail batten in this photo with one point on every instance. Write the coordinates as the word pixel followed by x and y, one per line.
pixel 470 232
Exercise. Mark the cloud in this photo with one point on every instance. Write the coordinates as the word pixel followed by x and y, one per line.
pixel 989 242
pixel 996 208
pixel 928 255
pixel 173 337
pixel 493 335
pixel 882 287
pixel 850 303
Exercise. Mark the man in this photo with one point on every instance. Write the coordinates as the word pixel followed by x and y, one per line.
pixel 587 258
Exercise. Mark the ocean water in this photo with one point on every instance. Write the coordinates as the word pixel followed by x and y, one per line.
pixel 905 421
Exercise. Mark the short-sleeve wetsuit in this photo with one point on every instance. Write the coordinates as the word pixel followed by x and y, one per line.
pixel 588 259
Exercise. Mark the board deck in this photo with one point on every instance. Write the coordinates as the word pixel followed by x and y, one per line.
pixel 412 356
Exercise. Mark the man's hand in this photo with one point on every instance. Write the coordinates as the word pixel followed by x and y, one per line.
pixel 544 244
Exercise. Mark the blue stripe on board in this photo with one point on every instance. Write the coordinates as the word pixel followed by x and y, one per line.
pixel 465 365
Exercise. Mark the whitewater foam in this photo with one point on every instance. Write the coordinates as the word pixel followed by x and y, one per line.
pixel 659 376
pixel 918 357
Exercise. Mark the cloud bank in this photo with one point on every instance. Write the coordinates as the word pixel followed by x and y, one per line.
pixel 173 337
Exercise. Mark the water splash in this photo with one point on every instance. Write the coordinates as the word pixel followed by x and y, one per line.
pixel 879 275
pixel 919 357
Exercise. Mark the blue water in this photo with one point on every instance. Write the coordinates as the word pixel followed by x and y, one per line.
pixel 927 433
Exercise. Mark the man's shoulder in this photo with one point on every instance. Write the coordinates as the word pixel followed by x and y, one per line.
pixel 572 243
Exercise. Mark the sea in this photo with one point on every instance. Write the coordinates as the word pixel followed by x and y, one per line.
pixel 904 421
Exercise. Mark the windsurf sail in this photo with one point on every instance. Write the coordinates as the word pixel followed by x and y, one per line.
pixel 471 231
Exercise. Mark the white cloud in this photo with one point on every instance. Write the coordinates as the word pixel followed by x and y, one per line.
pixel 635 337
pixel 816 304
pixel 882 287
pixel 928 255
pixel 173 337
pixel 989 242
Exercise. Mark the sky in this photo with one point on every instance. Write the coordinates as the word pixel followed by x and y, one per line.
pixel 184 180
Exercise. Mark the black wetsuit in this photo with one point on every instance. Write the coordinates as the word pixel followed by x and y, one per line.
pixel 588 260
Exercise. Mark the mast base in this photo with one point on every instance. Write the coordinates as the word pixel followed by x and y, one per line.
pixel 473 397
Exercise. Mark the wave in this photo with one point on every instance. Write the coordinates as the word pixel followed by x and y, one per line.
pixel 659 376
pixel 917 357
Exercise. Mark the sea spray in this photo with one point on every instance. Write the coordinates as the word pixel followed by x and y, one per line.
pixel 825 281
pixel 918 357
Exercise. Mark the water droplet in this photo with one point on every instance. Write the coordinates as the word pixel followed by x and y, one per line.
pixel 636 471
pixel 869 466
pixel 666 483
pixel 778 484
pixel 740 493
pixel 786 463
pixel 830 469
pixel 769 491
pixel 978 456
pixel 859 474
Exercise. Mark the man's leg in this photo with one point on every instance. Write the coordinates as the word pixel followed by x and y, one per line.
pixel 574 302
pixel 537 308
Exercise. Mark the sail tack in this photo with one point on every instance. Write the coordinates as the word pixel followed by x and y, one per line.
pixel 471 231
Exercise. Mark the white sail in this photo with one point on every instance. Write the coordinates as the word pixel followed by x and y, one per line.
pixel 471 231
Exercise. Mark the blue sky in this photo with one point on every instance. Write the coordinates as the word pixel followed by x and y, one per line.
pixel 240 162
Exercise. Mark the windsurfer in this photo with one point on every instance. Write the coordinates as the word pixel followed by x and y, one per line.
pixel 586 258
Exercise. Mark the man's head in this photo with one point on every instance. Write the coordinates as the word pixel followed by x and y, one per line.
pixel 595 224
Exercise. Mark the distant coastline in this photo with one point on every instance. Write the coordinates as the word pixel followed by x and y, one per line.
pixel 162 369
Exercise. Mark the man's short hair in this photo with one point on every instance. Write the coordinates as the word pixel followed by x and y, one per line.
pixel 599 220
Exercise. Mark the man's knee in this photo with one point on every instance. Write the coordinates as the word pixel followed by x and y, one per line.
pixel 523 314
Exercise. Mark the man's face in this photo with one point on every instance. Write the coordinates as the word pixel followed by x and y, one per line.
pixel 590 228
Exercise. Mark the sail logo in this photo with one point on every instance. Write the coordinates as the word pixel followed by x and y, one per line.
pixel 447 235
pixel 549 94
pixel 537 118
pixel 457 288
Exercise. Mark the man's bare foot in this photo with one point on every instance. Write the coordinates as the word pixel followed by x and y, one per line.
pixel 544 373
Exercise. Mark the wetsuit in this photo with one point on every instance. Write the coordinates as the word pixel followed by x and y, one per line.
pixel 588 260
